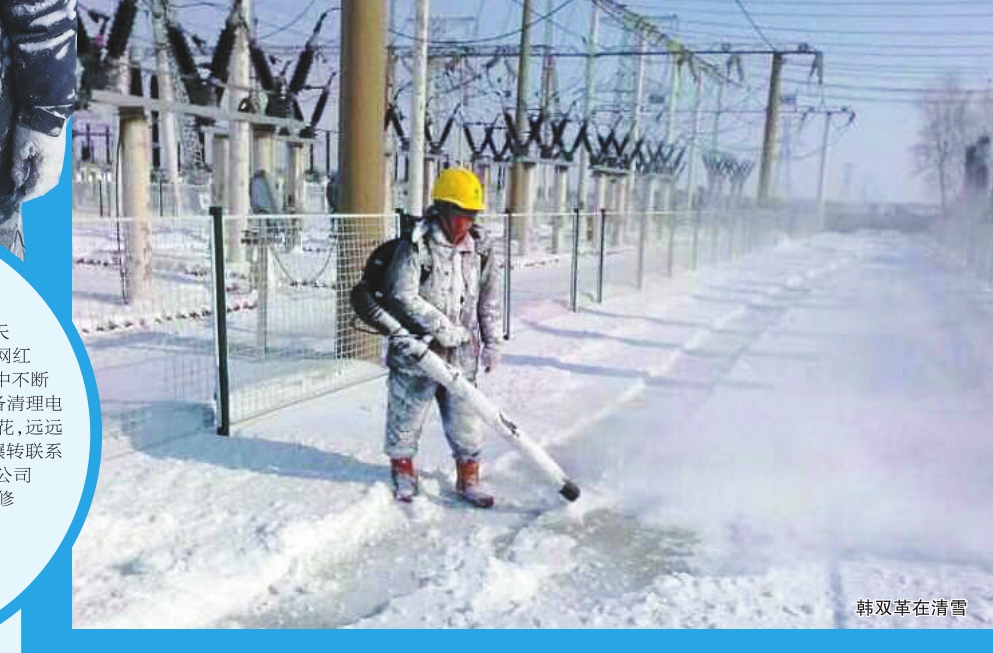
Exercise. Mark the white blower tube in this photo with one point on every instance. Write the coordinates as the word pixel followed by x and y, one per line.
pixel 456 383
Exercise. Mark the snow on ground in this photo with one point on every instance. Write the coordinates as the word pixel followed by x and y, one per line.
pixel 759 445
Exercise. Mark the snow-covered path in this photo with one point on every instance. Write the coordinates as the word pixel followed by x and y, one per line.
pixel 759 445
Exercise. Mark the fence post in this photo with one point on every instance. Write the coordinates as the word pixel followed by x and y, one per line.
pixel 989 259
pixel 715 235
pixel 642 238
pixel 601 254
pixel 574 281
pixel 122 266
pixel 733 227
pixel 672 242
pixel 508 237
pixel 262 276
pixel 223 415
pixel 698 218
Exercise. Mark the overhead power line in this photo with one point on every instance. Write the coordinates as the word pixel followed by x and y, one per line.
pixel 755 26
pixel 868 3
pixel 846 32
pixel 901 15
pixel 896 89
pixel 498 37
pixel 283 28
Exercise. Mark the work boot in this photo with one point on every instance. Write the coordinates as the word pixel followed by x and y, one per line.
pixel 468 485
pixel 404 479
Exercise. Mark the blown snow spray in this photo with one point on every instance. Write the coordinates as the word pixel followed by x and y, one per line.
pixel 454 380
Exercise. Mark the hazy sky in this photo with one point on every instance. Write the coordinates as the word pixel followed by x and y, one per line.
pixel 878 54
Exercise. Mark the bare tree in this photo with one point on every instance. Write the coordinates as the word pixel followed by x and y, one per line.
pixel 947 122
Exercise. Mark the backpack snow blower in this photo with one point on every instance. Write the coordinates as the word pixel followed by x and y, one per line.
pixel 366 296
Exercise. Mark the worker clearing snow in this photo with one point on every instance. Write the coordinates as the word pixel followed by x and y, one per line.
pixel 440 282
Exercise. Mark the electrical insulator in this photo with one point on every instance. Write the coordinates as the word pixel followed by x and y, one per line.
pixel 221 61
pixel 188 72
pixel 306 60
pixel 84 46
pixel 181 51
pixel 120 32
pixel 304 64
pixel 322 103
pixel 261 63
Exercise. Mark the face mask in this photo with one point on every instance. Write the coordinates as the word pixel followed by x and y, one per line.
pixel 456 227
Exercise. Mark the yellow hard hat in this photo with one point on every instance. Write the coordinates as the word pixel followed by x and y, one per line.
pixel 460 187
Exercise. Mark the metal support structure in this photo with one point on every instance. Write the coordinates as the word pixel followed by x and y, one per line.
pixel 601 255
pixel 167 119
pixel 263 279
pixel 417 110
pixel 223 396
pixel 673 223
pixel 508 243
pixel 697 219
pixel 584 157
pixel 716 133
pixel 574 279
pixel 642 245
pixel 670 111
pixel 220 163
pixel 636 128
pixel 561 206
pixel 601 203
pixel 692 152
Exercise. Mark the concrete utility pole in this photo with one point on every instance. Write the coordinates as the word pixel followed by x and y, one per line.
pixel 418 108
pixel 520 179
pixel 167 119
pixel 771 121
pixel 361 157
pixel 134 183
pixel 822 177
pixel 363 66
pixel 239 168
pixel 825 145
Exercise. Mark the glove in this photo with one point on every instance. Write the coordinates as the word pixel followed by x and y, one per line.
pixel 451 336
pixel 408 346
pixel 37 161
pixel 489 358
